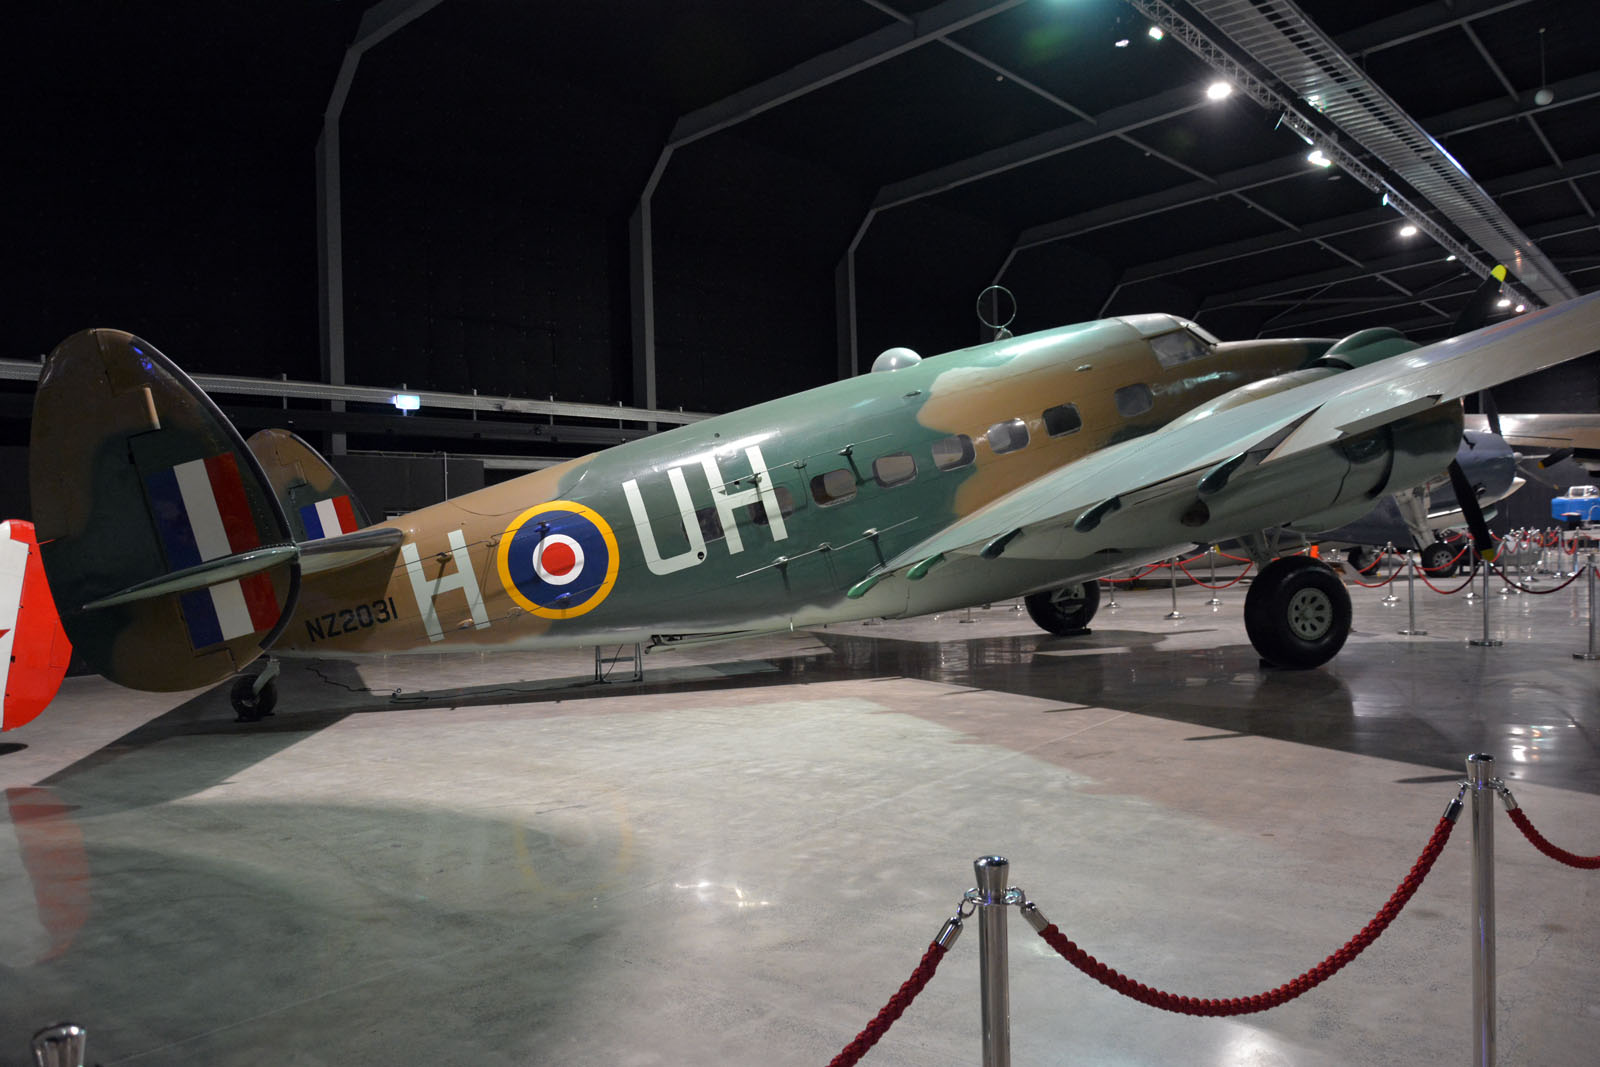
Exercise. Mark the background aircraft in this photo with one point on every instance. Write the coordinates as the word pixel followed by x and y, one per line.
pixel 178 553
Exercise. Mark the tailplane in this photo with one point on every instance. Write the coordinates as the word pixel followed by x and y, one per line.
pixel 169 555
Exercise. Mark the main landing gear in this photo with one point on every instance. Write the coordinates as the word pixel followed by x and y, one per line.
pixel 1297 613
pixel 1066 610
pixel 253 696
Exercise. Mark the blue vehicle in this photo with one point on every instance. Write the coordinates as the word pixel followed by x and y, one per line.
pixel 1579 507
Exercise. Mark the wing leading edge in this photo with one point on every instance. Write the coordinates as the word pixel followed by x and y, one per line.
pixel 1242 445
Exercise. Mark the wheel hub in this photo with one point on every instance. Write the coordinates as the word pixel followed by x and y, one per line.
pixel 1310 614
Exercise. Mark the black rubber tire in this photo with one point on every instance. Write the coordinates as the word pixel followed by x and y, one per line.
pixel 250 705
pixel 1297 613
pixel 1439 560
pixel 1365 560
pixel 1066 610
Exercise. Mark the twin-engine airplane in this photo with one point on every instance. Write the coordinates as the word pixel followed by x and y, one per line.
pixel 178 553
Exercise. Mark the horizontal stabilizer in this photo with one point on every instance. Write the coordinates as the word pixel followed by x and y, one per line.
pixel 336 553
pixel 201 576
pixel 166 549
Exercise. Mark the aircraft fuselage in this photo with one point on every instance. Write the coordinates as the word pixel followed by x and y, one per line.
pixel 765 518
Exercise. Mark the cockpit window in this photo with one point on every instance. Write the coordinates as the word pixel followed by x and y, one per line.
pixel 1178 347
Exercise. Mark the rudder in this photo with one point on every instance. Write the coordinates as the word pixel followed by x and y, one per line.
pixel 169 556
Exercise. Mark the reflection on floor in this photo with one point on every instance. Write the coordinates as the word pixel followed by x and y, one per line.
pixel 497 861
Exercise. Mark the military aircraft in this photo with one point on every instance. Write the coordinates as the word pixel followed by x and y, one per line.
pixel 178 553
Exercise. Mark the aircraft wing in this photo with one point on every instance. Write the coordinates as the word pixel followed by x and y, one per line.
pixel 1273 428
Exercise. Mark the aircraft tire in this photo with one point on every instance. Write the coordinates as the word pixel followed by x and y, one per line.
pixel 247 703
pixel 1363 559
pixel 1438 561
pixel 1066 610
pixel 1297 613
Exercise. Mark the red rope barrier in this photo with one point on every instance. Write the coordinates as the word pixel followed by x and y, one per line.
pixel 1377 585
pixel 1155 998
pixel 1142 574
pixel 1423 574
pixel 1560 855
pixel 1224 585
pixel 1538 592
pixel 896 1007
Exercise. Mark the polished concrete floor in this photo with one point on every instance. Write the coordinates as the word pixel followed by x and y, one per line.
pixel 491 861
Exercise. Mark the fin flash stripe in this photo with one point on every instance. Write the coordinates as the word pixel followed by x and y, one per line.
pixel 202 513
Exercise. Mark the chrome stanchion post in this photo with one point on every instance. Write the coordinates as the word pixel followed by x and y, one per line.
pixel 1111 592
pixel 61 1045
pixel 1593 653
pixel 1211 556
pixel 1411 598
pixel 1172 574
pixel 1481 784
pixel 993 980
pixel 1391 598
pixel 1486 641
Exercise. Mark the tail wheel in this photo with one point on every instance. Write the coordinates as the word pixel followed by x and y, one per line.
pixel 1297 613
pixel 1438 561
pixel 1066 610
pixel 252 706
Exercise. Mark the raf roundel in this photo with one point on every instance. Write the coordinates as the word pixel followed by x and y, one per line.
pixel 558 560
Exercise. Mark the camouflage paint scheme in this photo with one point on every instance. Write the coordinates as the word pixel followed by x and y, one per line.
pixel 820 507
pixel 802 578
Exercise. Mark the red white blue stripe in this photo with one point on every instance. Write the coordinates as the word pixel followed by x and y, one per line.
pixel 202 512
pixel 329 518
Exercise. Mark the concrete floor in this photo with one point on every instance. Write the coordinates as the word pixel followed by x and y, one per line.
pixel 433 860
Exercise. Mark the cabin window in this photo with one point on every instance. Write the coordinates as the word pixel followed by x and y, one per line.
pixel 1172 349
pixel 834 487
pixel 710 523
pixel 757 513
pixel 897 468
pixel 952 452
pixel 1062 420
pixel 1007 436
pixel 1134 400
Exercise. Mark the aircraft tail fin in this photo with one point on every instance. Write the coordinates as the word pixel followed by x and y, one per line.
pixel 168 553
pixel 316 500
pixel 34 650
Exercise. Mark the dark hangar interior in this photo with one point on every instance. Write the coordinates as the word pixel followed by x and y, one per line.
pixel 536 212
pixel 821 181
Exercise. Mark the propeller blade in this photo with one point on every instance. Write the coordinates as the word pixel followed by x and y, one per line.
pixel 1481 539
pixel 1480 304
pixel 1487 405
pixel 1555 457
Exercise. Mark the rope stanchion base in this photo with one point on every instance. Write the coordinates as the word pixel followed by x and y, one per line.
pixel 1185 1005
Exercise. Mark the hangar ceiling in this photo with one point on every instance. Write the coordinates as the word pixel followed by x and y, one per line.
pixel 888 159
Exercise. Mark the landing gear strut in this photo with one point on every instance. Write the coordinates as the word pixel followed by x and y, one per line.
pixel 254 696
pixel 1066 610
pixel 1297 613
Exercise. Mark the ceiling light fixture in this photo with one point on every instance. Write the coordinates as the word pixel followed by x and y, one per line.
pixel 1408 230
pixel 1156 33
pixel 1543 96
pixel 1315 156
pixel 1123 43
pixel 1218 90
pixel 1450 258
pixel 1503 302
pixel 1520 308
pixel 406 402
